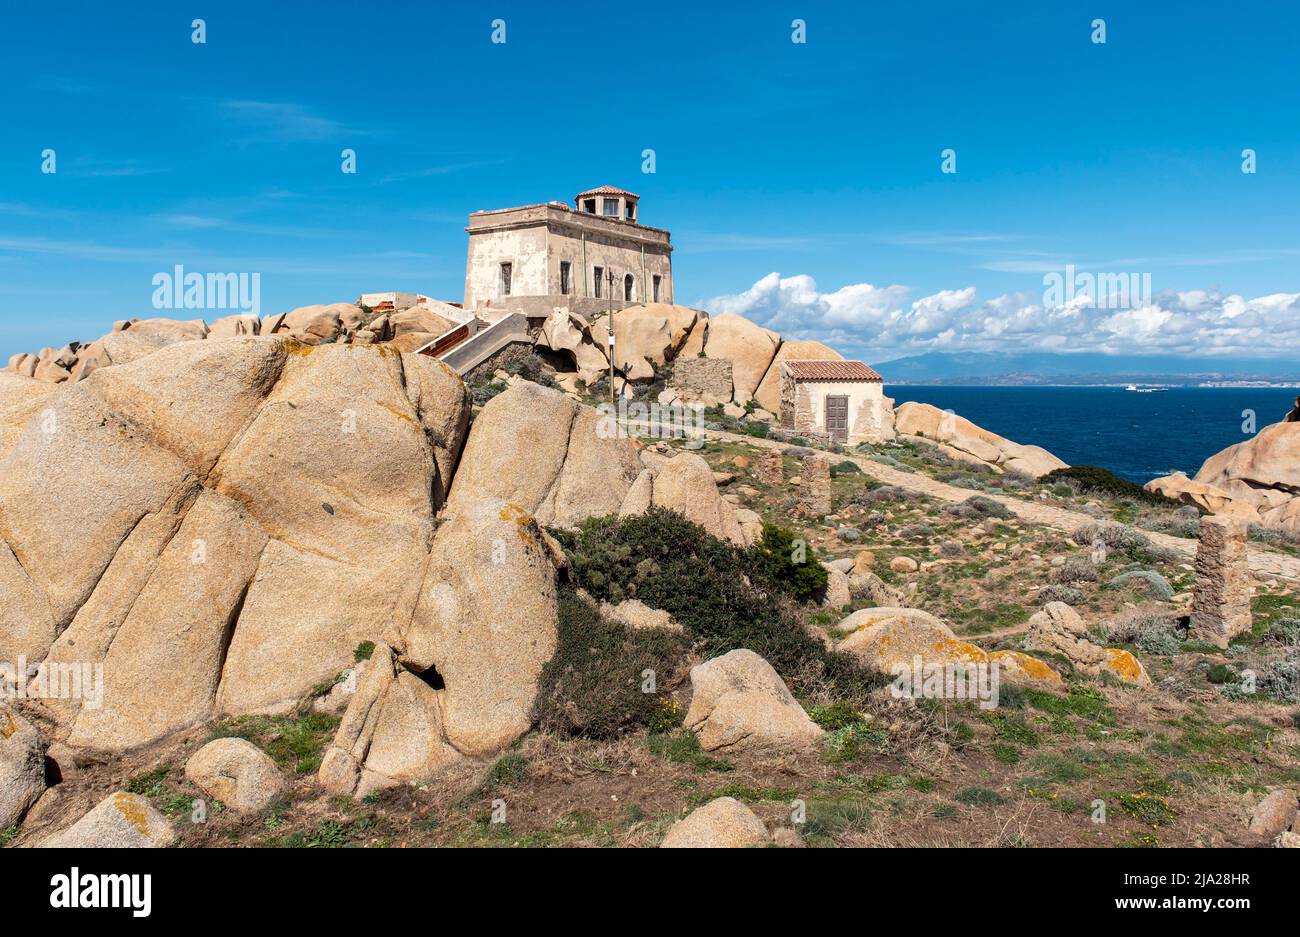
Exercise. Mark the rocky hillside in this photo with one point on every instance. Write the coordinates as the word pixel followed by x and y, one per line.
pixel 309 590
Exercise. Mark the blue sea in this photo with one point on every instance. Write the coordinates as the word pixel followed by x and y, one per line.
pixel 1138 436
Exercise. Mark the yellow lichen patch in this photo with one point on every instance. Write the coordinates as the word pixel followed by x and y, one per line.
pixel 960 652
pixel 1021 664
pixel 9 727
pixel 294 347
pixel 523 521
pixel 398 413
pixel 130 807
pixel 1125 666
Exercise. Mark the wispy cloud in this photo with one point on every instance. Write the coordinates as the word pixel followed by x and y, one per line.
pixel 86 250
pixel 944 239
pixel 701 243
pixel 442 170
pixel 102 168
pixel 288 121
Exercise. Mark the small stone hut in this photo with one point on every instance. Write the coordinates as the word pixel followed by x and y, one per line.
pixel 842 400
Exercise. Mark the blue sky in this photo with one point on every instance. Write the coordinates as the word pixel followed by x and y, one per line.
pixel 817 162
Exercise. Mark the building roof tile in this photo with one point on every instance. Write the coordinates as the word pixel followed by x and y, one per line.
pixel 607 190
pixel 831 371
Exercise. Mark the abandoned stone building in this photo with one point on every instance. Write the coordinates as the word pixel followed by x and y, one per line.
pixel 536 258
pixel 842 400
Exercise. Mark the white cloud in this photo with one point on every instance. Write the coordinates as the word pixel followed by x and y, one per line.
pixel 870 320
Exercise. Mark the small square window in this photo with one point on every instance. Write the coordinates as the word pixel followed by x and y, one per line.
pixel 611 208
pixel 589 206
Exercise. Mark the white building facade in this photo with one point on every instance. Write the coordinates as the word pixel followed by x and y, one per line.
pixel 536 258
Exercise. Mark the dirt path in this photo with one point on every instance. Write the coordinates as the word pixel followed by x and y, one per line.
pixel 1266 565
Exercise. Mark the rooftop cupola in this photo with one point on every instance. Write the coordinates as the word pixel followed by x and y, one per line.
pixel 608 202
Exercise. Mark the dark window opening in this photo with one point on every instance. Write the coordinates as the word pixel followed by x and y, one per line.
pixel 506 270
pixel 600 275
pixel 565 272
pixel 629 210
pixel 627 287
pixel 589 206
pixel 655 283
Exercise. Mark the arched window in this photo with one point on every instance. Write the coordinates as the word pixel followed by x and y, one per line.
pixel 627 287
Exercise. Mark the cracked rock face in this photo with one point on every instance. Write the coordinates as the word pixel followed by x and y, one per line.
pixel 219 524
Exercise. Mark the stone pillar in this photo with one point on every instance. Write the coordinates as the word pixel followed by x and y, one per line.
pixel 769 468
pixel 815 486
pixel 1221 598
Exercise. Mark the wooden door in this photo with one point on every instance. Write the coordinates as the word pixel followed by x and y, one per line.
pixel 837 417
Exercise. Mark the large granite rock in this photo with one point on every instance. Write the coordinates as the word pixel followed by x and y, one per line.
pixel 119 821
pixel 739 703
pixel 486 621
pixel 768 393
pixel 576 465
pixel 749 347
pixel 963 436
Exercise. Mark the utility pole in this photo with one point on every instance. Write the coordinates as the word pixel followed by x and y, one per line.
pixel 609 279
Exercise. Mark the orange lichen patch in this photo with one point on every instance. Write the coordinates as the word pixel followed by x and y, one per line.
pixel 294 347
pixel 8 727
pixel 954 651
pixel 1021 664
pixel 130 807
pixel 1125 666
pixel 525 525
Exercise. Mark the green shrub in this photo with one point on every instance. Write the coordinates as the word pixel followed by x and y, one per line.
pixel 984 506
pixel 775 563
pixel 713 590
pixel 1283 631
pixel 1156 585
pixel 1161 641
pixel 845 468
pixel 1124 539
pixel 363 651
pixel 593 685
pixel 1059 592
pixel 1103 481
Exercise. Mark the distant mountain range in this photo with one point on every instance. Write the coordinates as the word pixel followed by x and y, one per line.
pixel 1031 368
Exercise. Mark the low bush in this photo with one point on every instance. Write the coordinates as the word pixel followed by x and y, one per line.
pixel 714 591
pixel 1059 592
pixel 1103 481
pixel 779 563
pixel 1077 569
pixel 593 686
pixel 1123 539
pixel 1154 584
